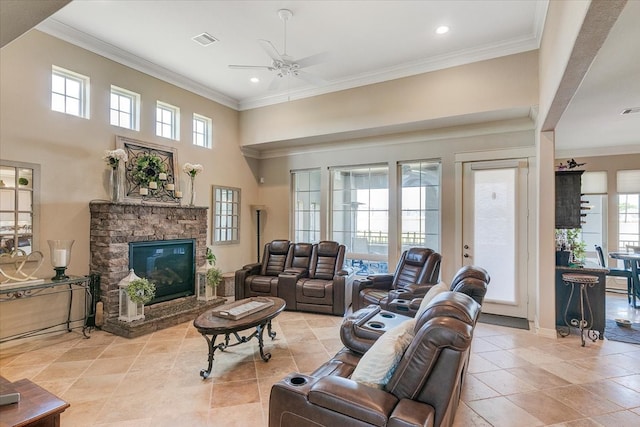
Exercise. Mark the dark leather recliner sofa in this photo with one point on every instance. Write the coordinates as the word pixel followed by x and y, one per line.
pixel 424 389
pixel 309 277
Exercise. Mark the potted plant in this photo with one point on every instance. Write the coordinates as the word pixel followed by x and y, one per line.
pixel 209 277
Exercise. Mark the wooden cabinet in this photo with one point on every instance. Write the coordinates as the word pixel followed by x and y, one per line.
pixel 568 212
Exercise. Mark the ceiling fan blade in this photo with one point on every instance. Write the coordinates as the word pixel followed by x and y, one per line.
pixel 271 50
pixel 310 78
pixel 251 67
pixel 318 58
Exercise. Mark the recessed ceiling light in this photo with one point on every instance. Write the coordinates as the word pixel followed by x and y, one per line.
pixel 254 80
pixel 443 29
pixel 204 39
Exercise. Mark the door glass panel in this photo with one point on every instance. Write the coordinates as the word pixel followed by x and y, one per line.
pixel 495 231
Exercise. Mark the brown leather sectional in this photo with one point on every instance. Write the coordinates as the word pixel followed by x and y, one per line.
pixel 424 389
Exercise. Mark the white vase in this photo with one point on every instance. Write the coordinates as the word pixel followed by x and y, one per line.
pixel 115 184
pixel 192 191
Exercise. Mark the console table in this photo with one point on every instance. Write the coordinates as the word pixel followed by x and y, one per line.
pixel 73 284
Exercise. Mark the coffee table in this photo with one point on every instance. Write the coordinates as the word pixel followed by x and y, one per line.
pixel 210 326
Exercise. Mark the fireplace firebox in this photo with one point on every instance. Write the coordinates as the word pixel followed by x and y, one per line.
pixel 169 264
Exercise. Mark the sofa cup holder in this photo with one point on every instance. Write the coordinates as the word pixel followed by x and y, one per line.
pixel 297 381
pixel 387 315
pixel 376 325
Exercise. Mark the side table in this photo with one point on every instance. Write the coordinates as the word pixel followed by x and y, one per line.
pixel 36 408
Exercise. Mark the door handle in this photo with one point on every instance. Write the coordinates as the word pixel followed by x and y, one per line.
pixel 466 255
pixel 466 246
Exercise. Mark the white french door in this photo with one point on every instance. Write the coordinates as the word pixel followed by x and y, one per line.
pixel 494 231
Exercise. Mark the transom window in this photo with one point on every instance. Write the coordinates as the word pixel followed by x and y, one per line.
pixel 167 119
pixel 226 215
pixel 202 127
pixel 306 205
pixel 125 108
pixel 69 92
pixel 420 204
pixel 360 215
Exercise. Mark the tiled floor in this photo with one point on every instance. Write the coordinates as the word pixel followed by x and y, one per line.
pixel 515 378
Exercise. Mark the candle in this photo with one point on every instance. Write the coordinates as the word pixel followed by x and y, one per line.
pixel 178 194
pixel 144 191
pixel 153 185
pixel 170 187
pixel 162 176
pixel 59 258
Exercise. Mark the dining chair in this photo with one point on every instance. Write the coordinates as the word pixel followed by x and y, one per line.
pixel 617 272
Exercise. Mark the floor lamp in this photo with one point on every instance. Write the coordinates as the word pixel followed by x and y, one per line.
pixel 258 208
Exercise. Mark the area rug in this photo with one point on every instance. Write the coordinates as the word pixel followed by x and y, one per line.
pixel 614 332
pixel 509 322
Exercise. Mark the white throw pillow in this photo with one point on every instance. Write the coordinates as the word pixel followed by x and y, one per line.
pixel 379 362
pixel 435 290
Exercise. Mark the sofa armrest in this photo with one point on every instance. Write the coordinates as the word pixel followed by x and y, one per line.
pixel 347 397
pixel 353 336
pixel 418 291
pixel 241 276
pixel 410 413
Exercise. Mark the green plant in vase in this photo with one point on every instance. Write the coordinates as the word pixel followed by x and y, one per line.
pixel 214 274
pixel 574 240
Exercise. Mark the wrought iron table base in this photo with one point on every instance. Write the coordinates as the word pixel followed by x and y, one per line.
pixel 259 332
pixel 582 323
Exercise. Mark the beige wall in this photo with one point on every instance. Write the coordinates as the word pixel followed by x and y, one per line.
pixel 69 149
pixel 494 85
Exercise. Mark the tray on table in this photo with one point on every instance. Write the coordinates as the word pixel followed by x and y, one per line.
pixel 245 307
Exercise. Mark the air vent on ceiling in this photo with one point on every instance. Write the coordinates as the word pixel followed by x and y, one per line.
pixel 204 39
pixel 630 111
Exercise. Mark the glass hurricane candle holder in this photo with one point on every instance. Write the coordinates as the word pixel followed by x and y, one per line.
pixel 60 257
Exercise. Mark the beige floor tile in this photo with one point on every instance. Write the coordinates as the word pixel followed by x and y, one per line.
pixel 617 419
pixel 570 372
pixel 80 353
pixel 237 416
pixel 85 388
pixel 499 412
pixel 611 390
pixel 62 370
pixel 466 417
pixel 582 400
pixel 474 389
pixel 82 413
pixel 538 377
pixel 504 382
pixel 480 364
pixel 232 393
pixel 630 381
pixel 120 349
pixel 275 367
pixel 115 365
pixel 544 408
pixel 504 359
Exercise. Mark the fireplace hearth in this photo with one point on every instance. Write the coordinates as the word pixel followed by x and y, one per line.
pixel 114 226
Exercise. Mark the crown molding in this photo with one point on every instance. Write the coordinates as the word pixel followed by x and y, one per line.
pixel 565 153
pixel 71 35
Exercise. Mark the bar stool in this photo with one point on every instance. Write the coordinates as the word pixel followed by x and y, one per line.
pixel 584 323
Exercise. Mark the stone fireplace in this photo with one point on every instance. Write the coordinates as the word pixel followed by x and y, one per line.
pixel 113 227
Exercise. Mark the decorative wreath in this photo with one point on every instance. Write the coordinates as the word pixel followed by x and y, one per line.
pixel 147 169
pixel 141 291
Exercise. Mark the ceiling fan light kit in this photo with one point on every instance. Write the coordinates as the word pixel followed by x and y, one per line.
pixel 283 64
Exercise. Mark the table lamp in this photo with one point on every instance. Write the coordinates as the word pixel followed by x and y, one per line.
pixel 60 257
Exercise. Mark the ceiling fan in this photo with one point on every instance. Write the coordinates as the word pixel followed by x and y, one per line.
pixel 284 65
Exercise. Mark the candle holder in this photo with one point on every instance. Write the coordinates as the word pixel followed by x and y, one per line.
pixel 60 257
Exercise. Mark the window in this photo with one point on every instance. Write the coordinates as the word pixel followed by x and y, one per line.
pixel 360 215
pixel 306 205
pixel 628 187
pixel 167 119
pixel 420 204
pixel 226 215
pixel 18 214
pixel 69 92
pixel 125 108
pixel 202 127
